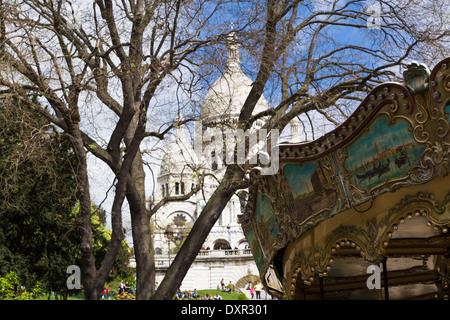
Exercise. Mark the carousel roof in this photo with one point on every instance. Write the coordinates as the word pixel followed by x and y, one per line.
pixel 371 195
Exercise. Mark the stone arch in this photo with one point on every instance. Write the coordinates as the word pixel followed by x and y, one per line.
pixel 245 279
pixel 180 218
pixel 221 244
pixel 242 244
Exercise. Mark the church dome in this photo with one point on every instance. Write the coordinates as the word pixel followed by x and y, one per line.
pixel 180 156
pixel 227 95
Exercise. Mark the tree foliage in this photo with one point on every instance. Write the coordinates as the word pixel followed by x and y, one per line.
pixel 39 237
pixel 10 288
pixel 37 227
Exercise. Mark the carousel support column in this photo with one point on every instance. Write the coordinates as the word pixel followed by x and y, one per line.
pixel 441 283
pixel 385 279
pixel 321 288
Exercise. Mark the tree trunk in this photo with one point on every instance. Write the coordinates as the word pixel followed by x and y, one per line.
pixel 84 219
pixel 140 220
pixel 142 237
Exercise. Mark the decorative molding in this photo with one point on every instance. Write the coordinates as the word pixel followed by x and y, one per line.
pixel 369 240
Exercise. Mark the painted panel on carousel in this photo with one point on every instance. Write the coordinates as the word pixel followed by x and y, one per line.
pixel 385 152
pixel 267 222
pixel 447 112
pixel 265 230
pixel 255 247
pixel 311 187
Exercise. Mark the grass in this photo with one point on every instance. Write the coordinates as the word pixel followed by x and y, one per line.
pixel 212 292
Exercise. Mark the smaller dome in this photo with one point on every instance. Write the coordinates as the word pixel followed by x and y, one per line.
pixel 180 156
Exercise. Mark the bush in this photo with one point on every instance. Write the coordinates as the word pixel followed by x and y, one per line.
pixel 242 296
pixel 11 290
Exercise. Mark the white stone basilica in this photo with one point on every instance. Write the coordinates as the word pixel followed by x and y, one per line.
pixel 180 167
pixel 177 176
pixel 225 252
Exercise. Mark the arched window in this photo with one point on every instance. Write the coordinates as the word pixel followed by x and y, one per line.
pixel 177 187
pixel 182 187
pixel 163 191
pixel 167 189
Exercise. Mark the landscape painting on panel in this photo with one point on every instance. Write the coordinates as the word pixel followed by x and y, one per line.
pixel 383 153
pixel 262 236
pixel 267 222
pixel 311 187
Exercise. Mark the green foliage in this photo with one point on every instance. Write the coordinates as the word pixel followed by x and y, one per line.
pixel 101 236
pixel 242 296
pixel 38 232
pixel 39 235
pixel 10 289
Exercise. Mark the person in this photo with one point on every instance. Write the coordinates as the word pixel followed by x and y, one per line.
pixel 222 284
pixel 247 286
pixel 105 293
pixel 121 287
pixel 252 292
pixel 258 288
pixel 195 294
pixel 132 288
pixel 230 287
pixel 217 297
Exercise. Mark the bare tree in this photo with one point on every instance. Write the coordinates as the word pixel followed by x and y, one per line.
pixel 110 59
pixel 303 57
pixel 113 59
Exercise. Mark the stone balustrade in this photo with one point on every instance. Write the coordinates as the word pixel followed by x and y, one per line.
pixel 163 260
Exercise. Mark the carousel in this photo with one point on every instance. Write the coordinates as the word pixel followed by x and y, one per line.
pixel 364 211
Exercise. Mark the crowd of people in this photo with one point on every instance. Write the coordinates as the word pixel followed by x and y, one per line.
pixel 189 294
pixel 254 290
pixel 228 288
pixel 125 287
pixel 193 294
